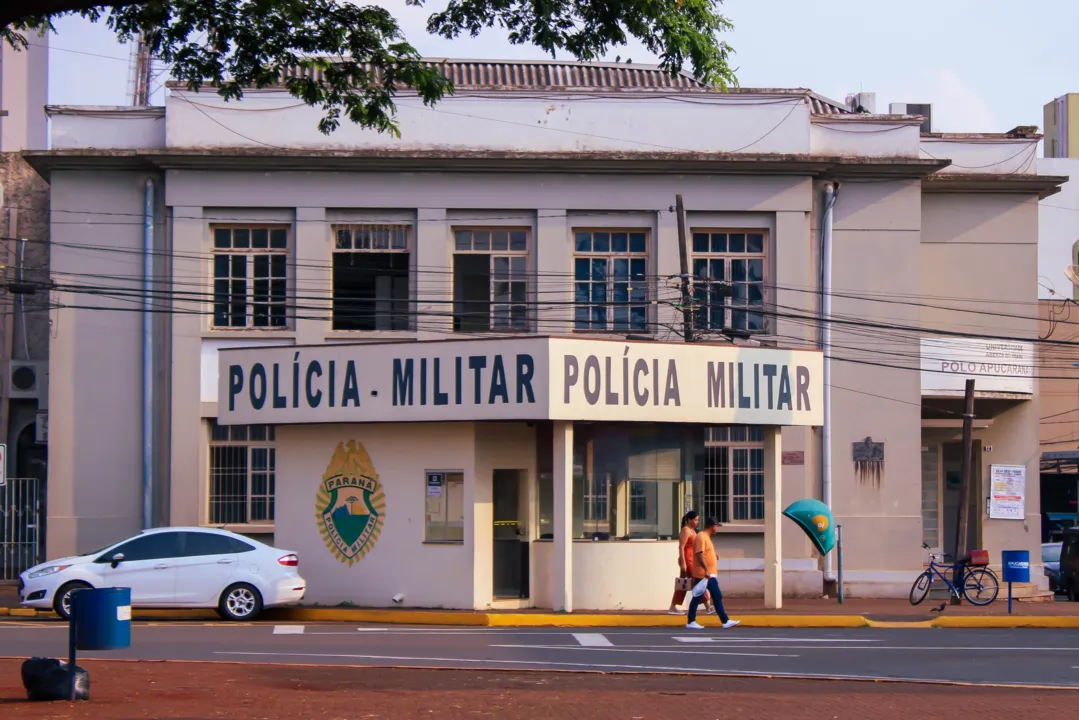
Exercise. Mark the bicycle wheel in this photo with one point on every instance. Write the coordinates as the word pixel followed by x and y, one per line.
pixel 920 588
pixel 980 586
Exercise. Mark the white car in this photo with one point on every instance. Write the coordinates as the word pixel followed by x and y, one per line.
pixel 174 568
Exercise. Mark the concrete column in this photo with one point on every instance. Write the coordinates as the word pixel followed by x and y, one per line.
pixel 773 517
pixel 433 291
pixel 313 252
pixel 563 516
pixel 553 258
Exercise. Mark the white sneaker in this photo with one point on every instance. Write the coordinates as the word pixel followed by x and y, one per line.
pixel 676 612
pixel 731 623
pixel 694 626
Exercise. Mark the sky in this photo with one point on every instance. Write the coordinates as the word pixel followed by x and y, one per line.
pixel 985 65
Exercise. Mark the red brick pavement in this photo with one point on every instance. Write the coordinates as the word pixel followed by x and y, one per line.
pixel 186 691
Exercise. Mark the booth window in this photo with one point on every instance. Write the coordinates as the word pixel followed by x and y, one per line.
pixel 490 280
pixel 243 467
pixel 370 278
pixel 445 507
pixel 728 280
pixel 730 477
pixel 250 269
pixel 610 269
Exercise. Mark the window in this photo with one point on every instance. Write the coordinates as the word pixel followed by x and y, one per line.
pixel 610 280
pixel 250 277
pixel 627 481
pixel 490 280
pixel 445 512
pixel 728 280
pixel 196 544
pixel 153 546
pixel 242 474
pixel 370 278
pixel 732 474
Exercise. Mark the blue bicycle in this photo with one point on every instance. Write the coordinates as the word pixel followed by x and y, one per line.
pixel 980 584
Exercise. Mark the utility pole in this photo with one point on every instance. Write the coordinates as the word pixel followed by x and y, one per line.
pixel 965 482
pixel 143 71
pixel 683 259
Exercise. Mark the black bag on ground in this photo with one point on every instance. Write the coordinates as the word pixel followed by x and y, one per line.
pixel 47 679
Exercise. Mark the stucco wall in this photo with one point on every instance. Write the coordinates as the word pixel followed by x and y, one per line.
pixel 429 575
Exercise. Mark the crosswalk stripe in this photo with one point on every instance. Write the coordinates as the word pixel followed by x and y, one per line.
pixel 288 629
pixel 592 639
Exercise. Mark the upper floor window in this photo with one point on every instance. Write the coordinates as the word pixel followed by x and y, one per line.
pixel 610 270
pixel 243 472
pixel 490 279
pixel 250 267
pixel 728 282
pixel 370 278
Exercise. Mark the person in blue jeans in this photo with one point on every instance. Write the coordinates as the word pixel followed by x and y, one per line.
pixel 704 570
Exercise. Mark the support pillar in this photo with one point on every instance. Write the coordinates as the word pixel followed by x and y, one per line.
pixel 773 517
pixel 563 517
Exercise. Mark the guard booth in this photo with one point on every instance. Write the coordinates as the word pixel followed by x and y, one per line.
pixel 542 472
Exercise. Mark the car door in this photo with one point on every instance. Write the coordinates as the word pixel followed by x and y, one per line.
pixel 207 566
pixel 148 567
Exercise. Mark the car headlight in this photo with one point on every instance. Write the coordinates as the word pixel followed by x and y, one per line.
pixel 51 570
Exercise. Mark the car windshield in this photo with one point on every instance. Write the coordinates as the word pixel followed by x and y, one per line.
pixel 1051 553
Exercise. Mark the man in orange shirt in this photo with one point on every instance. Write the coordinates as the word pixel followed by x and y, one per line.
pixel 704 570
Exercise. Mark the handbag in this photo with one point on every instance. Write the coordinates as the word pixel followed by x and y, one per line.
pixel 683 584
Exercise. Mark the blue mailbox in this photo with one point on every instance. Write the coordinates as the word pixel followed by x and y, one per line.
pixel 102 618
pixel 1016 570
pixel 1016 566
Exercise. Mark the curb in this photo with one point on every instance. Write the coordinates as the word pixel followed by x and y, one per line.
pixel 449 618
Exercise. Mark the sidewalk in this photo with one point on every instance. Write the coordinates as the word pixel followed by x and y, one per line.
pixel 820 613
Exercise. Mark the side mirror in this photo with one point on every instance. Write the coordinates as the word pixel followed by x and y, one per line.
pixel 117 559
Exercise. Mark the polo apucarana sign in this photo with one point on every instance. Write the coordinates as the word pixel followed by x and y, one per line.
pixel 520 379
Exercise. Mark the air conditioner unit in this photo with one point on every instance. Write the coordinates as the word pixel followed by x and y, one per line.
pixel 29 380
pixel 923 109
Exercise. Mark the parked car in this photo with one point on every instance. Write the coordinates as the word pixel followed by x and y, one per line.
pixel 175 568
pixel 1051 561
pixel 1069 564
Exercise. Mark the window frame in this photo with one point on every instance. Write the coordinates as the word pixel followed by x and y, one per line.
pixel 610 325
pixel 352 227
pixel 727 498
pixel 250 253
pixel 494 278
pixel 226 502
pixel 727 257
pixel 445 511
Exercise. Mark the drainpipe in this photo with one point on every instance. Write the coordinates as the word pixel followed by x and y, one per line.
pixel 147 358
pixel 831 191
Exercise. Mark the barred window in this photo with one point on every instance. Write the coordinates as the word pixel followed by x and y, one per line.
pixel 250 270
pixel 243 464
pixel 733 474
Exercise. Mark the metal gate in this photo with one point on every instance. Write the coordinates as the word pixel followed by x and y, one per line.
pixel 21 509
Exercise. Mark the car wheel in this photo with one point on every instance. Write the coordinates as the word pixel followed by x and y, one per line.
pixel 240 602
pixel 61 603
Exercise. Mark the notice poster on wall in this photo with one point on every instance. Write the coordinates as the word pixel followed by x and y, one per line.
pixel 434 484
pixel 1007 498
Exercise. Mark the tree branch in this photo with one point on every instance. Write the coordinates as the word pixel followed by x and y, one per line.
pixel 13 10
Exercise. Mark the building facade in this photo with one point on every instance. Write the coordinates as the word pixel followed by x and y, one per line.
pixel 528 208
pixel 24 299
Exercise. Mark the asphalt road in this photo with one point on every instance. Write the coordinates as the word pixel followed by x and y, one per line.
pixel 1010 657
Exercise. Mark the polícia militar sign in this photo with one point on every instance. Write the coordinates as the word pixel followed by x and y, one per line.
pixel 520 379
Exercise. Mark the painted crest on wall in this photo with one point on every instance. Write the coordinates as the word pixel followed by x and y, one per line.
pixel 350 504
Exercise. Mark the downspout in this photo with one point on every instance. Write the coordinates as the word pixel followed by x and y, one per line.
pixel 147 358
pixel 831 191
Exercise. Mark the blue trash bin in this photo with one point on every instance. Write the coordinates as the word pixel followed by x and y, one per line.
pixel 102 618
pixel 1016 566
